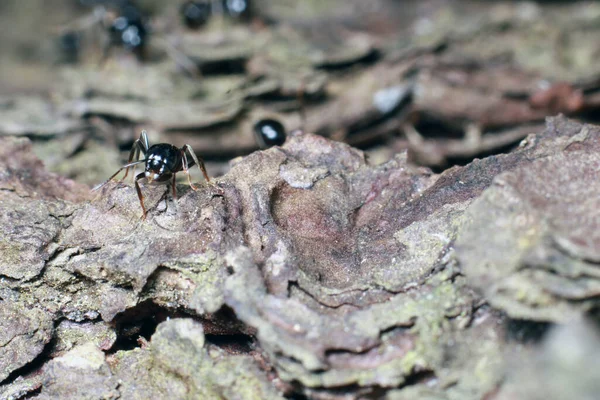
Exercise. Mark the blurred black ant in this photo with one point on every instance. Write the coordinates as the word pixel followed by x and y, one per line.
pixel 197 13
pixel 162 162
pixel 127 27
pixel 269 132
pixel 124 25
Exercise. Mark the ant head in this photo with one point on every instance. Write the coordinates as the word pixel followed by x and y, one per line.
pixel 162 160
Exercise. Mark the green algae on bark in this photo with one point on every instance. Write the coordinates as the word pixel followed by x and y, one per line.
pixel 177 363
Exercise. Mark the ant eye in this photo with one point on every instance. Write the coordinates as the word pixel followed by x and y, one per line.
pixel 195 13
pixel 269 132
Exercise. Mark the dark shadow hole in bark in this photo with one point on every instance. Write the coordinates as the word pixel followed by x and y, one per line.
pixel 432 127
pixel 594 316
pixel 232 66
pixel 138 323
pixel 526 331
pixel 222 329
pixel 232 344
pixel 296 396
pixel 420 378
pixel 462 161
pixel 359 392
pixel 32 395
pixel 369 58
pixel 292 98
pixel 33 367
pixel 30 369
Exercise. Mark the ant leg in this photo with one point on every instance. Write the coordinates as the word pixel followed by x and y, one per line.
pixel 198 162
pixel 133 153
pixel 126 166
pixel 174 188
pixel 187 170
pixel 140 145
pixel 144 141
pixel 180 58
pixel 165 196
pixel 139 193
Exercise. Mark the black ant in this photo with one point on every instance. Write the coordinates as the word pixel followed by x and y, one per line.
pixel 162 162
pixel 197 13
pixel 127 27
pixel 124 25
pixel 269 132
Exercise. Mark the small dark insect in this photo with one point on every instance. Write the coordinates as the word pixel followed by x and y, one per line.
pixel 127 26
pixel 123 25
pixel 162 162
pixel 269 132
pixel 196 13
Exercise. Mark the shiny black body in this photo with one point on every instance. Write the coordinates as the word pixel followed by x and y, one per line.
pixel 269 132
pixel 196 13
pixel 161 163
pixel 128 28
pixel 163 160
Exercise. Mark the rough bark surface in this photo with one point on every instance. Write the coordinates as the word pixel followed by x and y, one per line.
pixel 335 267
pixel 305 269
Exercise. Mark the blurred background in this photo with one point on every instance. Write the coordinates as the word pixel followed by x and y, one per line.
pixel 444 80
